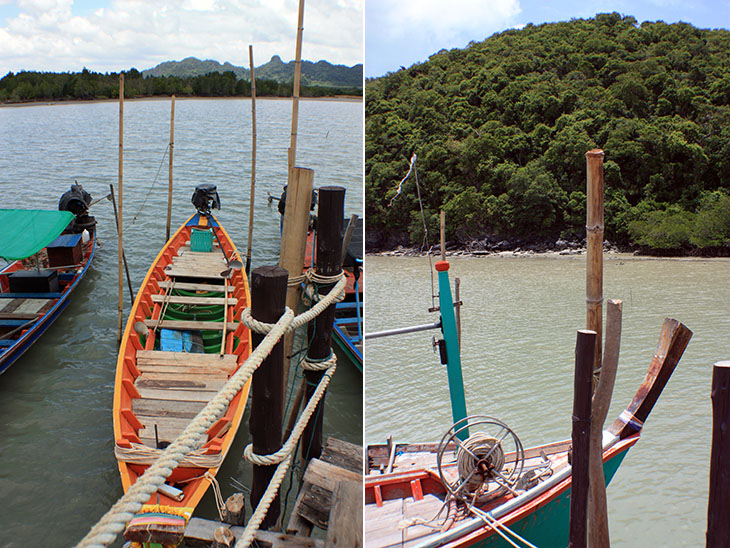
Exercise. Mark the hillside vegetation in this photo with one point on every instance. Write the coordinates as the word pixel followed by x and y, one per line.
pixel 190 77
pixel 501 129
pixel 321 73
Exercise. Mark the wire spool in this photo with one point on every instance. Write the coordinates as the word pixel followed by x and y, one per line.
pixel 488 463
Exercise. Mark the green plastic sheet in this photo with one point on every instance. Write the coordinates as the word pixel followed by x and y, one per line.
pixel 24 232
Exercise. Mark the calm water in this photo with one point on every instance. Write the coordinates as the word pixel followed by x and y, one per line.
pixel 57 469
pixel 519 324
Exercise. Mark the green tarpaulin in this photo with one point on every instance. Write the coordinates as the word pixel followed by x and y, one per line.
pixel 24 232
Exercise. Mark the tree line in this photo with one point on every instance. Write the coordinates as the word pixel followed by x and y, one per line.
pixel 87 85
pixel 501 129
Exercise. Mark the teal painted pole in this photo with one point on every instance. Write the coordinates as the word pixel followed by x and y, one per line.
pixel 453 355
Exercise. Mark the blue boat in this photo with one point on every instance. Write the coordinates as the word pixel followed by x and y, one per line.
pixel 48 253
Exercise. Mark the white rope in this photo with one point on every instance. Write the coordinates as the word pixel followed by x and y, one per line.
pixel 335 294
pixel 284 459
pixel 217 492
pixel 496 525
pixel 114 521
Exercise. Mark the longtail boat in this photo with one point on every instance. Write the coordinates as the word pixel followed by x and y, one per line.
pixel 182 342
pixel 347 330
pixel 48 253
pixel 479 487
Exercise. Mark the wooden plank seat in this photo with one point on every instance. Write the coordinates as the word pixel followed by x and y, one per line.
pixel 18 307
pixel 185 362
pixel 17 316
pixel 178 299
pixel 181 409
pixel 191 325
pixel 189 286
pixel 196 271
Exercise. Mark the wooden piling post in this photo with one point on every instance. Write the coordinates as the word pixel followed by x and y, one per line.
pixel 584 351
pixel 268 294
pixel 294 242
pixel 253 158
pixel 329 246
pixel 223 538
pixel 594 249
pixel 598 535
pixel 169 174
pixel 120 239
pixel 718 525
pixel 234 512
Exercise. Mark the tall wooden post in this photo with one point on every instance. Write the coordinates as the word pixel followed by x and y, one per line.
pixel 584 350
pixel 594 258
pixel 169 178
pixel 253 158
pixel 268 293
pixel 294 241
pixel 120 239
pixel 598 535
pixel 329 263
pixel 718 525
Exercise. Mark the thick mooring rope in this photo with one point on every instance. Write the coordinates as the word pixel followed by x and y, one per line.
pixel 113 522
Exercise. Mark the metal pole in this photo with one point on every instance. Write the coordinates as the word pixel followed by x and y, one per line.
pixel 403 330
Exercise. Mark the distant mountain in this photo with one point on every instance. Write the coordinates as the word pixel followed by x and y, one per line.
pixel 320 73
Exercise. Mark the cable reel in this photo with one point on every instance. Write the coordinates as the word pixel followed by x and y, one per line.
pixel 488 463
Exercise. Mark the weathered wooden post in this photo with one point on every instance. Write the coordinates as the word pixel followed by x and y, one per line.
pixel 124 257
pixel 584 351
pixel 598 535
pixel 169 173
pixel 329 257
pixel 120 239
pixel 268 294
pixel 718 524
pixel 594 249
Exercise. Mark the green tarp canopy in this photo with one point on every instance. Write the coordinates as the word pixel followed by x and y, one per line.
pixel 24 232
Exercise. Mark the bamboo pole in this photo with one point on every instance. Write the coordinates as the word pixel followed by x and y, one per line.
pixel 594 258
pixel 253 159
pixel 169 181
pixel 598 535
pixel 120 239
pixel 584 348
pixel 294 242
pixel 295 91
pixel 718 526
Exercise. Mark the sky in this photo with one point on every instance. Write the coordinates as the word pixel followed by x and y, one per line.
pixel 403 32
pixel 114 35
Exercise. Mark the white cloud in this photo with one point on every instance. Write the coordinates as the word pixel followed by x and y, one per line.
pixel 47 35
pixel 408 31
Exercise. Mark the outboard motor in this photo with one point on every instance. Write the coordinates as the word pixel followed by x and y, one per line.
pixel 77 201
pixel 206 198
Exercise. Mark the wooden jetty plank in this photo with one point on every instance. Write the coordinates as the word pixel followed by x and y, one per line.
pixel 199 533
pixel 189 286
pixel 343 454
pixel 179 299
pixel 312 506
pixel 164 357
pixel 345 520
pixel 191 325
pixel 181 409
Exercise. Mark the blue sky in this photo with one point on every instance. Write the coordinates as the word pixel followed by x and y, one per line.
pixel 402 32
pixel 113 35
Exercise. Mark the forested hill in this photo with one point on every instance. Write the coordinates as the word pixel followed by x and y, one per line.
pixel 321 73
pixel 501 129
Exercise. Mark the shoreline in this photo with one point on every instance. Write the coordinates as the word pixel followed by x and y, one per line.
pixel 609 253
pixel 46 103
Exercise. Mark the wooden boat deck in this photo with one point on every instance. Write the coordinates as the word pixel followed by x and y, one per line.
pixel 391 524
pixel 174 387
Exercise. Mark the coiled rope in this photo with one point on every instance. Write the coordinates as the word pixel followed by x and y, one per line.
pixel 113 522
